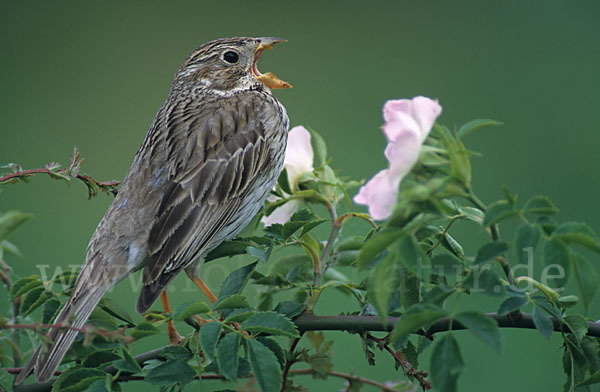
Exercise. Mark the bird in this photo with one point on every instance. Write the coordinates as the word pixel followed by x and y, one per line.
pixel 209 160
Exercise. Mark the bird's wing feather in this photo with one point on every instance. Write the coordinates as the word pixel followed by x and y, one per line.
pixel 228 152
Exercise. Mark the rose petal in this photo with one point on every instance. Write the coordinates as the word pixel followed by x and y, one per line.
pixel 402 154
pixel 281 214
pixel 379 194
pixel 299 153
pixel 418 114
pixel 425 111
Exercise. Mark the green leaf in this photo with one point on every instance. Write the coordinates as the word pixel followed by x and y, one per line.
pixel 190 310
pixel 586 278
pixel 486 281
pixel 377 244
pixel 577 233
pixel 453 246
pixel 289 309
pixel 284 181
pixel 128 363
pixel 236 281
pixel 24 285
pixel 10 221
pixel 175 371
pixel 175 352
pixel 6 380
pixel 100 358
pixel 271 323
pixel 446 265
pixel 499 212
pixel 482 326
pixel 77 379
pixel 414 259
pixel 539 205
pixel 526 240
pixel 474 125
pixel 512 303
pixel 577 325
pixel 116 310
pixel 490 251
pixel 415 317
pixel 592 379
pixel 383 282
pixel 557 257
pixel 236 301
pixel 275 348
pixel 227 355
pixel 34 299
pixel 209 336
pixel 227 249
pixel 265 366
pixel 239 315
pixel 144 329
pixel 542 322
pixel 446 364
pixel 51 308
pixel 319 147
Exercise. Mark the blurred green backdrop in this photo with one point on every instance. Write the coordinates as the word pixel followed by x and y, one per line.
pixel 93 74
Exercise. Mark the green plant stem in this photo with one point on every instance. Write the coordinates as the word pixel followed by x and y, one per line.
pixel 472 197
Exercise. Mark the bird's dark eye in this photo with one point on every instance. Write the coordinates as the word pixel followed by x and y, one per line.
pixel 231 57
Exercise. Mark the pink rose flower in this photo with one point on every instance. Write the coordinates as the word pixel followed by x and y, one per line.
pixel 299 158
pixel 407 124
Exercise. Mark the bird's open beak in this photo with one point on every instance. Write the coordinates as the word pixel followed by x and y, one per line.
pixel 269 78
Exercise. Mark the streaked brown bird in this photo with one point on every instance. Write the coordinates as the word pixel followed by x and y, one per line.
pixel 209 160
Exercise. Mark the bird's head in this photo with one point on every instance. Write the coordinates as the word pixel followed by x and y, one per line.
pixel 229 64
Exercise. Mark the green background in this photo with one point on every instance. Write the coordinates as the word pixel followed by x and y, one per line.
pixel 93 75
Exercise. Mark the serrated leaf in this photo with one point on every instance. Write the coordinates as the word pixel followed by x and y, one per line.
pixel 275 348
pixel 415 317
pixel 485 281
pixel 175 371
pixel 453 246
pixel 474 125
pixel 236 301
pixel 577 325
pixel 539 205
pixel 24 285
pixel 116 310
pixel 446 364
pixel 542 322
pixel 319 147
pixel 259 253
pixel 239 315
pixel 34 299
pixel 383 281
pixel 490 251
pixel 577 233
pixel 586 278
pixel 289 309
pixel 10 221
pixel 482 326
pixel 175 352
pixel 592 379
pixel 377 244
pixel 284 181
pixel 227 249
pixel 227 355
pixel 271 323
pixel 526 240
pixel 512 303
pixel 236 281
pixel 556 255
pixel 128 363
pixel 499 212
pixel 190 310
pixel 144 329
pixel 209 336
pixel 413 258
pixel 265 366
pixel 100 358
pixel 77 379
pixel 51 308
pixel 446 264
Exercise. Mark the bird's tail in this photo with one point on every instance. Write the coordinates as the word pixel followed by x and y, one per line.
pixel 74 314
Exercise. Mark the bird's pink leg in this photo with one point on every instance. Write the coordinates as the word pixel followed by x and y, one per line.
pixel 174 337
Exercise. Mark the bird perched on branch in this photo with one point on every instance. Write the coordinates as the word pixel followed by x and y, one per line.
pixel 209 160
